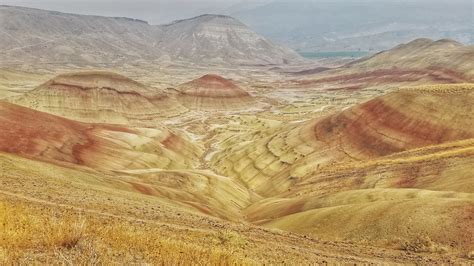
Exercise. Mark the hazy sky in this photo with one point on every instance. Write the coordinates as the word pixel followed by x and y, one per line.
pixel 155 12
pixel 158 11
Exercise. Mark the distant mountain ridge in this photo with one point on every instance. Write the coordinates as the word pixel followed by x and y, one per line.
pixel 369 25
pixel 218 38
pixel 197 17
pixel 50 36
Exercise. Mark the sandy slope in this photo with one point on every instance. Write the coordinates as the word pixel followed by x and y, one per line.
pixel 117 216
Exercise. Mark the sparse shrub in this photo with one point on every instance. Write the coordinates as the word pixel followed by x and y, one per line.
pixel 65 232
pixel 229 238
pixel 422 244
pixel 470 255
pixel 84 253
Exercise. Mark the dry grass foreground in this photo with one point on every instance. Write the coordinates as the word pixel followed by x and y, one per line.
pixel 38 234
pixel 32 235
pixel 55 215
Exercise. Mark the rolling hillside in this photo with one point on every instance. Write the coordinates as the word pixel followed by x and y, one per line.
pixel 395 171
pixel 420 62
pixel 101 97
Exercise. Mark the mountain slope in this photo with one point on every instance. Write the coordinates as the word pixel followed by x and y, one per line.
pixel 46 36
pixel 424 54
pixel 216 39
pixel 422 61
pixel 50 212
pixel 41 36
pixel 419 200
pixel 395 171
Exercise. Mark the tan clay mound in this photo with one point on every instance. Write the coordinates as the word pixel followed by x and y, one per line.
pixel 397 122
pixel 443 168
pixel 409 219
pixel 421 61
pixel 102 97
pixel 51 138
pixel 212 86
pixel 450 59
pixel 400 121
pixel 99 79
pixel 213 92
pixel 395 171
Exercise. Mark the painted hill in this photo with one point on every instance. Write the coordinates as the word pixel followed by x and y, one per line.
pixel 214 92
pixel 424 54
pixel 383 126
pixel 40 36
pixel 380 172
pixel 102 97
pixel 388 180
pixel 422 61
pixel 50 138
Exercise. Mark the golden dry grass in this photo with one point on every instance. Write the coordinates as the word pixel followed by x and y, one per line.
pixel 442 88
pixel 62 237
pixel 56 215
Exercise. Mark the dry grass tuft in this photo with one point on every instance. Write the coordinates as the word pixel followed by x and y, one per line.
pixel 470 255
pixel 423 244
pixel 72 239
pixel 69 234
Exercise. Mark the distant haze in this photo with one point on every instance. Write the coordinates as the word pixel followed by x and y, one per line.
pixel 164 11
pixel 155 12
pixel 304 25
